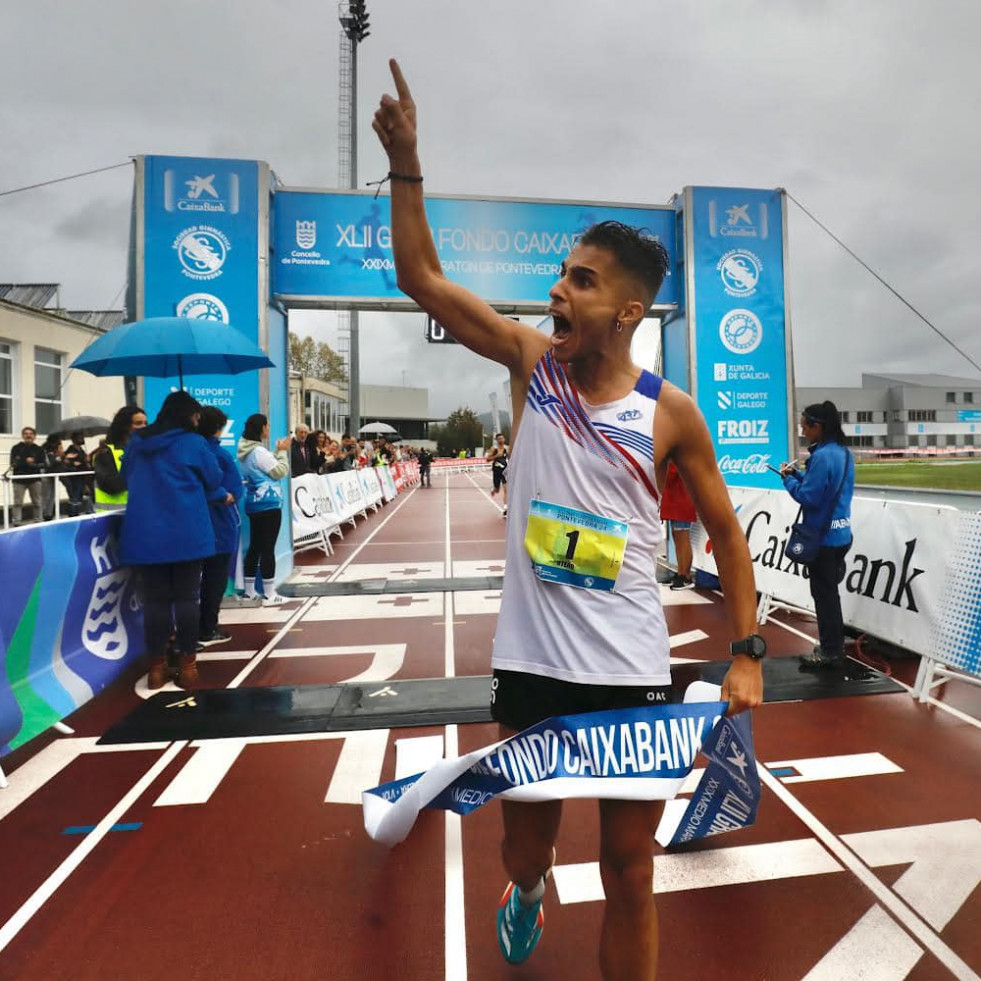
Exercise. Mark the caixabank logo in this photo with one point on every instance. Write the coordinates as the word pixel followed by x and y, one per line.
pixel 205 192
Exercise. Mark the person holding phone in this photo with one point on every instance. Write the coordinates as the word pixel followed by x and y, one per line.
pixel 824 492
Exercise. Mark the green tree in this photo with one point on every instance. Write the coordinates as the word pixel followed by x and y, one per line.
pixel 315 359
pixel 461 431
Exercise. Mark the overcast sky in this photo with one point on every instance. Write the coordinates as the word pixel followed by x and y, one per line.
pixel 868 113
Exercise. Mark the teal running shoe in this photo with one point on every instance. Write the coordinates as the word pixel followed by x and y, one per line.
pixel 519 927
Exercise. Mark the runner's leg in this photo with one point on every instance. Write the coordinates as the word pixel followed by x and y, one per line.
pixel 628 944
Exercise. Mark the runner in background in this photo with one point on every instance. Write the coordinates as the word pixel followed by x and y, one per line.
pixel 587 457
pixel 678 509
pixel 498 457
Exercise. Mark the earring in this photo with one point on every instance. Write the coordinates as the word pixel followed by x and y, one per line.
pixel 619 327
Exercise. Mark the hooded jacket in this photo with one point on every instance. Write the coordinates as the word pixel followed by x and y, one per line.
pixel 171 477
pixel 224 517
pixel 262 472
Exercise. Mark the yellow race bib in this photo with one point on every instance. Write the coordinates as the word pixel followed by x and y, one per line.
pixel 575 548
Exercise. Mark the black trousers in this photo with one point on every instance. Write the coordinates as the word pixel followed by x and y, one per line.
pixel 171 598
pixel 424 476
pixel 214 579
pixel 826 573
pixel 263 531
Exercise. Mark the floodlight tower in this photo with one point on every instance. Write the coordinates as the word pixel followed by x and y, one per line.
pixel 353 16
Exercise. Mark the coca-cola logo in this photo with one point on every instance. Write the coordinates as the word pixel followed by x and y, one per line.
pixel 754 463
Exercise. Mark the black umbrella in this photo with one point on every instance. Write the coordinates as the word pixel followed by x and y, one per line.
pixel 86 425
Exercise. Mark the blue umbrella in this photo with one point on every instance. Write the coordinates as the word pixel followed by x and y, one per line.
pixel 164 347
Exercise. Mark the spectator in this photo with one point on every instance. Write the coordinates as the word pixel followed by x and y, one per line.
pixel 824 492
pixel 49 486
pixel 75 460
pixel 107 461
pixel 350 451
pixel 171 476
pixel 335 458
pixel 678 510
pixel 300 459
pixel 262 472
pixel 225 521
pixel 317 443
pixel 425 462
pixel 26 459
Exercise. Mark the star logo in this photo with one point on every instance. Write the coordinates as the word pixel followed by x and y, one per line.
pixel 738 213
pixel 738 759
pixel 203 185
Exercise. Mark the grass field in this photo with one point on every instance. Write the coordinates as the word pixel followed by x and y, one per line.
pixel 941 475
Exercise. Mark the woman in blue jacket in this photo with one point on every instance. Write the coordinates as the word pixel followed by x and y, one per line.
pixel 170 475
pixel 824 492
pixel 263 473
pixel 225 520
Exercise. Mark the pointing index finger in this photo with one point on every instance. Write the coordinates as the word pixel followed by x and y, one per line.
pixel 401 86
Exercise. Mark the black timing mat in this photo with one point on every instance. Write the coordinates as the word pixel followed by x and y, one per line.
pixel 223 712
pixel 376 587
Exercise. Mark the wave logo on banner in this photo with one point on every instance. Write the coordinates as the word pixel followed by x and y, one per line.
pixel 626 754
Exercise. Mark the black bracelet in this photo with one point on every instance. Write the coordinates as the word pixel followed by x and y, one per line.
pixel 392 176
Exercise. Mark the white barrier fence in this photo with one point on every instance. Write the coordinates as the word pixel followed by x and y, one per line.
pixel 321 504
pixel 913 575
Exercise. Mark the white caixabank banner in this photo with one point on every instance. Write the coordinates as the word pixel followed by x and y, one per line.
pixel 912 576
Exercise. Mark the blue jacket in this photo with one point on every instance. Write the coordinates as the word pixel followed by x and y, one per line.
pixel 262 473
pixel 815 488
pixel 224 517
pixel 170 478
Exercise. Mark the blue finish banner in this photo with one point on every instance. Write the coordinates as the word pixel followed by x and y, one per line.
pixel 741 368
pixel 70 622
pixel 626 754
pixel 201 260
pixel 337 245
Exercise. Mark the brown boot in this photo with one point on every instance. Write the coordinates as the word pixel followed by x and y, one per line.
pixel 188 673
pixel 157 676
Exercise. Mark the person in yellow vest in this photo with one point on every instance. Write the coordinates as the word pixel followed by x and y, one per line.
pixel 110 489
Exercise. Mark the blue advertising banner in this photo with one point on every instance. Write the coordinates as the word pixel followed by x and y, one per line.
pixel 70 622
pixel 336 246
pixel 201 259
pixel 737 310
pixel 628 754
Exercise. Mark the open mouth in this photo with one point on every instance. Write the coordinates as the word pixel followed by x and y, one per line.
pixel 561 328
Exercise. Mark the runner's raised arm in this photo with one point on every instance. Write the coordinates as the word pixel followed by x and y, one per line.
pixel 468 318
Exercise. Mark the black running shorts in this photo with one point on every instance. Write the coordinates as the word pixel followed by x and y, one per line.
pixel 519 700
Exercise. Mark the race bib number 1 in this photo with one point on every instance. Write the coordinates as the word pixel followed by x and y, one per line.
pixel 574 547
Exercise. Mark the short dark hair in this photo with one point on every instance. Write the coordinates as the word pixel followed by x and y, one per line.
pixel 212 420
pixel 636 250
pixel 254 426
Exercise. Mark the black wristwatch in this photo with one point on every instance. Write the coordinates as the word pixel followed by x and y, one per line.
pixel 753 645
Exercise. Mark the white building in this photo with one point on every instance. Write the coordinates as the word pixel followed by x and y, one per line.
pixel 37 344
pixel 906 411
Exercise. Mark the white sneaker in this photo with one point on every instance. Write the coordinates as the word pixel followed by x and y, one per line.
pixel 273 600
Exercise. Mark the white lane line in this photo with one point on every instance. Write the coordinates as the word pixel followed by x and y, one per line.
pixel 416 754
pixel 261 655
pixel 454 924
pixel 490 500
pixel 377 607
pixel 835 767
pixel 361 571
pixel 41 768
pixel 876 947
pixel 359 765
pixel 906 916
pixel 687 637
pixel 46 890
pixel 944 860
pixel 199 777
pixel 682 597
pixel 707 869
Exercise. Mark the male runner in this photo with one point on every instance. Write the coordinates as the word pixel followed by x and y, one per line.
pixel 498 457
pixel 590 440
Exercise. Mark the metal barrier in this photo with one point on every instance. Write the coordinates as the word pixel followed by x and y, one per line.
pixel 55 498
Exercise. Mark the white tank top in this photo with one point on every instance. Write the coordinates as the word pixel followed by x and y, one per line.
pixel 600 459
